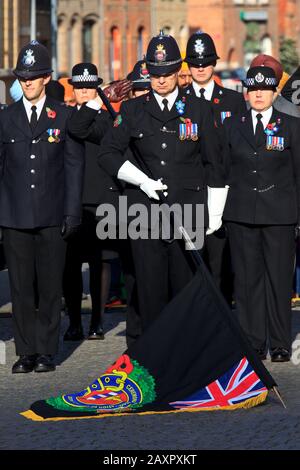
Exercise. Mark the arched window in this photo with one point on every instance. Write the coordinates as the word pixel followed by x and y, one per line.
pixel 87 41
pixel 115 53
pixel 141 43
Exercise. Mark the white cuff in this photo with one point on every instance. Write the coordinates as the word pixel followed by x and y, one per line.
pixel 93 104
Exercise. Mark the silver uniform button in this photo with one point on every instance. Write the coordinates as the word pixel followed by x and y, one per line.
pixel 141 135
pixel 163 163
pixel 164 145
pixel 254 189
pixel 32 186
pixel 164 128
pixel 12 140
pixel 32 171
pixel 34 141
pixel 32 157
pixel 254 171
pixel 255 153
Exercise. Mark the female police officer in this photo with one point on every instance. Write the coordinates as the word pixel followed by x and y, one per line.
pixel 262 211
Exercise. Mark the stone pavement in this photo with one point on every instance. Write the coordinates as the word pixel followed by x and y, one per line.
pixel 266 427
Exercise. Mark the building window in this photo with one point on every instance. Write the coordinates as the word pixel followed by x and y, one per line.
pixel 87 41
pixel 141 43
pixel 115 53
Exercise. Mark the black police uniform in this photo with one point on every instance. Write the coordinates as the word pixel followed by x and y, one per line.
pixel 201 51
pixel 41 185
pixel 162 269
pixel 261 211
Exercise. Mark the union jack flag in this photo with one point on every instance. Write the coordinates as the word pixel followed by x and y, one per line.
pixel 236 386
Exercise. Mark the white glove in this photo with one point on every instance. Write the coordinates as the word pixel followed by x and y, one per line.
pixel 131 174
pixel 216 199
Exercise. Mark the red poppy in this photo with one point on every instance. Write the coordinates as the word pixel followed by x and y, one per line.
pixel 216 100
pixel 51 113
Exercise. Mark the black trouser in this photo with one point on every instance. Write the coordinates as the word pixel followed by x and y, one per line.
pixel 84 247
pixel 35 255
pixel 162 269
pixel 217 258
pixel 263 264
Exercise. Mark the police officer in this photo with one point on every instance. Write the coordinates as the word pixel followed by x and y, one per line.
pixel 262 209
pixel 40 201
pixel 173 140
pixel 201 57
pixel 98 186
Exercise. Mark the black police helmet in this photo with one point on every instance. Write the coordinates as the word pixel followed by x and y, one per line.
pixel 140 76
pixel 33 61
pixel 163 55
pixel 201 50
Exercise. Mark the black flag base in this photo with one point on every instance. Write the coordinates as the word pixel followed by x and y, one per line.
pixel 194 357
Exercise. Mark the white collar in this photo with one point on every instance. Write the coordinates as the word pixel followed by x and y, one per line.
pixel 266 116
pixel 39 106
pixel 209 89
pixel 171 97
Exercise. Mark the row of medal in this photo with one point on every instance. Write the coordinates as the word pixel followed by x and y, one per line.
pixel 188 131
pixel 275 143
pixel 53 135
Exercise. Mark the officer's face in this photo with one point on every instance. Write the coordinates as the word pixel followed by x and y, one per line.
pixel 34 89
pixel 165 84
pixel 184 78
pixel 82 95
pixel 202 75
pixel 261 100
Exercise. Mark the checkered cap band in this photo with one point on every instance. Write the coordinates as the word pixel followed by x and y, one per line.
pixel 267 82
pixel 85 78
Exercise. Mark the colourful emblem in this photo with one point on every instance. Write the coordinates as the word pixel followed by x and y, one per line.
pixel 118 120
pixel 180 106
pixel 160 53
pixel 51 113
pixel 53 135
pixel 224 115
pixel 275 143
pixel 271 128
pixel 125 384
pixel 144 72
pixel 216 100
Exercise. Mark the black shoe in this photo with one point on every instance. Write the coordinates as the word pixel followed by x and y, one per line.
pixel 24 364
pixel 96 333
pixel 44 363
pixel 74 333
pixel 261 354
pixel 280 355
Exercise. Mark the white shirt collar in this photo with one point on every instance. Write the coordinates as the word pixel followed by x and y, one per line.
pixel 171 97
pixel 209 89
pixel 39 106
pixel 266 116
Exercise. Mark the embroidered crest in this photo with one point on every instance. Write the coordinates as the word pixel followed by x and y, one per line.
pixel 144 74
pixel 28 58
pixel 259 77
pixel 160 53
pixel 51 113
pixel 199 48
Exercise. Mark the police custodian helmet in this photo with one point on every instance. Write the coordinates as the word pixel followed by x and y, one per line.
pixel 140 76
pixel 163 55
pixel 33 61
pixel 261 78
pixel 201 50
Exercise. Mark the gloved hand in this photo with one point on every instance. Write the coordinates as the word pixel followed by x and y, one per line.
pixel 133 175
pixel 70 226
pixel 118 90
pixel 216 199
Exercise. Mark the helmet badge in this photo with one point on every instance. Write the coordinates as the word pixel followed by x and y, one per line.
pixel 160 53
pixel 199 48
pixel 28 59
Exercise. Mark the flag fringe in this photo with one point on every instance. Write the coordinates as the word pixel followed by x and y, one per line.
pixel 244 405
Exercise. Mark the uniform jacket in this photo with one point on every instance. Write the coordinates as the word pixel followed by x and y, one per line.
pixel 264 184
pixel 90 126
pixel 41 181
pixel 223 100
pixel 158 151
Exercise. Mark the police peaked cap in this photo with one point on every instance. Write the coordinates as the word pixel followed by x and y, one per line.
pixel 200 50
pixel 33 61
pixel 261 77
pixel 85 75
pixel 163 55
pixel 140 76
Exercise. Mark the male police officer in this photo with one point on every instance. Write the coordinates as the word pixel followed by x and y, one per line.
pixel 173 139
pixel 262 210
pixel 201 57
pixel 40 200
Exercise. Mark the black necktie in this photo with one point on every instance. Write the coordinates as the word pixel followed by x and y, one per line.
pixel 260 137
pixel 202 91
pixel 166 109
pixel 33 119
